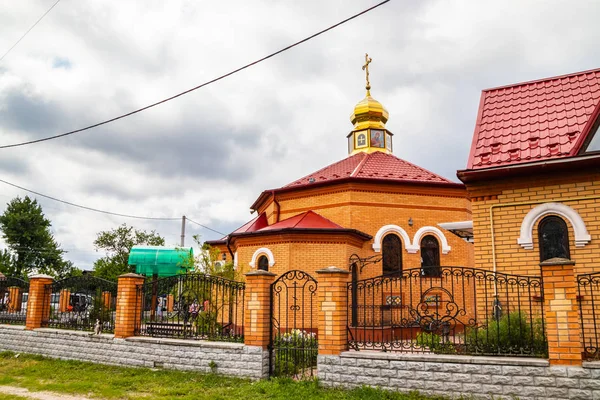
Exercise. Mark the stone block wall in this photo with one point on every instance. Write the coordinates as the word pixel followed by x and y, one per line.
pixel 233 359
pixel 455 376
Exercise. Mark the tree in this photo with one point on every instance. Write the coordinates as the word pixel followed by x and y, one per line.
pixel 117 243
pixel 31 245
pixel 207 262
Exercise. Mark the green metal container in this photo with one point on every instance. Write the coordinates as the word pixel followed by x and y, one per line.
pixel 160 260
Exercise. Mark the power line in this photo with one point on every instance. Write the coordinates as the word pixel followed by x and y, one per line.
pixel 90 208
pixel 196 87
pixel 107 212
pixel 29 30
pixel 204 226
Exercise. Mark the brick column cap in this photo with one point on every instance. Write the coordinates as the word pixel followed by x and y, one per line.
pixel 557 261
pixel 259 272
pixel 131 275
pixel 332 270
pixel 41 276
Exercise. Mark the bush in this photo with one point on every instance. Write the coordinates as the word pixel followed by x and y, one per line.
pixel 512 333
pixel 435 343
pixel 294 352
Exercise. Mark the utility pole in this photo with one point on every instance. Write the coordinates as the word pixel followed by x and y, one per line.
pixel 182 230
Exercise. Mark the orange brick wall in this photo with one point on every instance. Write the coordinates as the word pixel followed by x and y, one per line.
pixel 510 256
pixel 367 208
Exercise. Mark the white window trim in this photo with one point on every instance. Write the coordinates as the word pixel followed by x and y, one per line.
pixel 384 230
pixel 266 252
pixel 235 260
pixel 435 232
pixel 582 237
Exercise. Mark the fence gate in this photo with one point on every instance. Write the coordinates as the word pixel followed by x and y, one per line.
pixel 13 300
pixel 293 346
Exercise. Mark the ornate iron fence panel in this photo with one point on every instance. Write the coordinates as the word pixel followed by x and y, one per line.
pixel 192 306
pixel 85 303
pixel 461 311
pixel 589 310
pixel 293 346
pixel 14 293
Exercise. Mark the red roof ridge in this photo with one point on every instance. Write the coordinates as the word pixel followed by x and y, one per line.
pixel 550 78
pixel 360 165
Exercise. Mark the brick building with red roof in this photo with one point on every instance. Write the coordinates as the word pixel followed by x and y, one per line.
pixel 371 203
pixel 533 174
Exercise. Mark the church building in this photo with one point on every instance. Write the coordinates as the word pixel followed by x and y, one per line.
pixel 371 205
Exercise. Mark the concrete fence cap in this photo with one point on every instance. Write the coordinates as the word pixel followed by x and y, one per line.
pixel 40 276
pixel 332 270
pixel 259 272
pixel 131 275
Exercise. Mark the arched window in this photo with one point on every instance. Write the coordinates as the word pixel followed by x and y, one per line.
pixel 263 263
pixel 392 254
pixel 553 235
pixel 430 256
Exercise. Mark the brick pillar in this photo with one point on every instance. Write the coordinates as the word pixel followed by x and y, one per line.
pixel 64 300
pixel 38 303
pixel 257 308
pixel 106 299
pixel 170 302
pixel 15 294
pixel 333 310
pixel 129 305
pixel 561 313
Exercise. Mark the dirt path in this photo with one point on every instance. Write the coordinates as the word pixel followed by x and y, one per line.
pixel 17 391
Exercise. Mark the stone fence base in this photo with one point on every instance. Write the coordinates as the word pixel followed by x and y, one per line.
pixel 480 377
pixel 233 359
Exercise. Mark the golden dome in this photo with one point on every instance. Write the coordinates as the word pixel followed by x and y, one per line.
pixel 369 113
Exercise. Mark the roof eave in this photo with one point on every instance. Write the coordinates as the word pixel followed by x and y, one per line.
pixel 352 232
pixel 505 171
pixel 287 189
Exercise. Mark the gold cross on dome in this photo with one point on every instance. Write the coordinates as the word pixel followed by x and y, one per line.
pixel 366 69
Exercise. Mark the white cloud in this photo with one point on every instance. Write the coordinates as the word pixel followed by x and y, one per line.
pixel 210 153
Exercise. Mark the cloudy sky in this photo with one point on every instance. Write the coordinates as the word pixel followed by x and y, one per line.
pixel 209 154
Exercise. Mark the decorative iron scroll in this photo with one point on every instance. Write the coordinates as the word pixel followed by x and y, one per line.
pixel 461 311
pixel 14 293
pixel 589 311
pixel 293 345
pixel 192 306
pixel 81 303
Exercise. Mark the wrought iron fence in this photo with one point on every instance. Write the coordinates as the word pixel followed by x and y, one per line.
pixel 589 310
pixel 459 311
pixel 82 303
pixel 192 306
pixel 293 346
pixel 14 293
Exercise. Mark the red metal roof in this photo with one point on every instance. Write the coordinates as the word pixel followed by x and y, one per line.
pixel 377 165
pixel 306 220
pixel 538 120
pixel 253 225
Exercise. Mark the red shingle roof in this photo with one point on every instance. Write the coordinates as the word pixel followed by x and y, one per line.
pixel 306 220
pixel 253 225
pixel 531 121
pixel 376 165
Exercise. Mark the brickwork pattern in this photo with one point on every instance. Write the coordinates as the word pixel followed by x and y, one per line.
pixel 129 301
pixel 231 359
pixel 333 336
pixel 561 315
pixel 38 303
pixel 510 256
pixel 455 376
pixel 257 316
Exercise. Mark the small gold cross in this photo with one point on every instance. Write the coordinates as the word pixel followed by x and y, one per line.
pixel 366 69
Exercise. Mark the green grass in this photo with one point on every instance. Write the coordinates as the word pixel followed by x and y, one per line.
pixel 37 373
